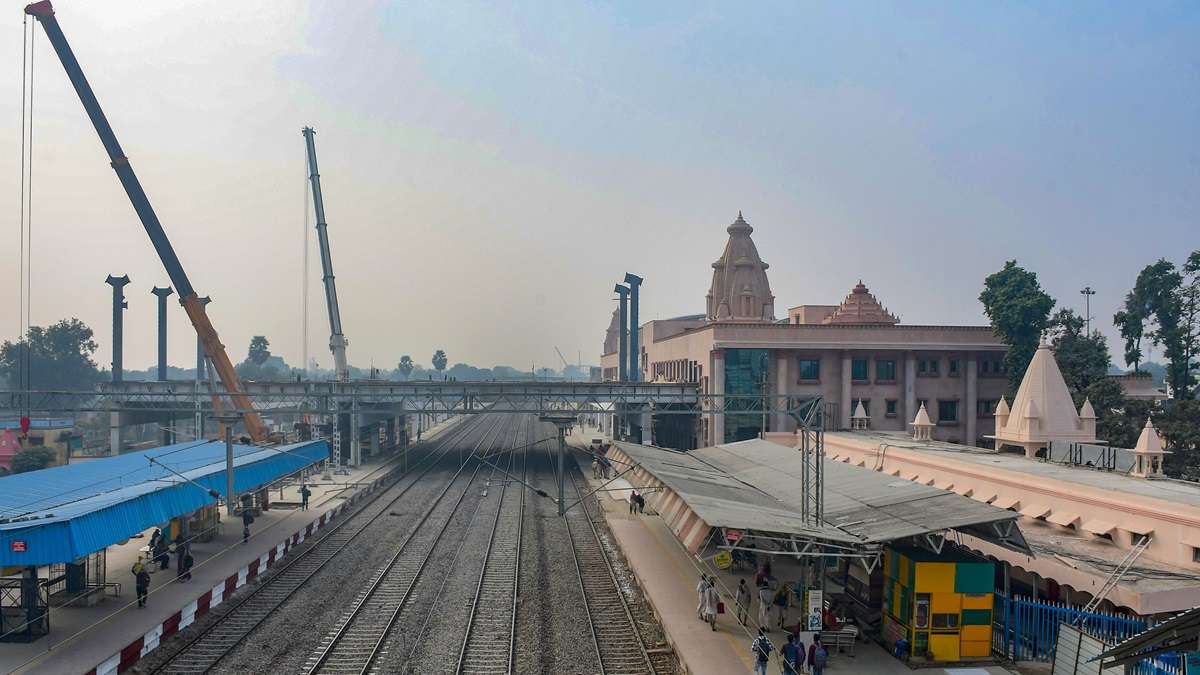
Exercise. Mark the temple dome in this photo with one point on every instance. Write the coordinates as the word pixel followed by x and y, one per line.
pixel 740 290
pixel 861 307
pixel 612 337
pixel 1042 410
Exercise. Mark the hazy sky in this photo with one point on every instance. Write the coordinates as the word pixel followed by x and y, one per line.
pixel 489 173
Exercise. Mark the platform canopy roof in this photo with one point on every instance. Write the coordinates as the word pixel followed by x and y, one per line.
pixel 64 513
pixel 726 483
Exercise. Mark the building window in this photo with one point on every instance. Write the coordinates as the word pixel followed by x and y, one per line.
pixel 866 404
pixel 810 370
pixel 858 370
pixel 991 367
pixel 947 412
pixel 986 407
pixel 890 407
pixel 922 366
pixel 953 370
pixel 944 621
pixel 928 367
pixel 1195 554
pixel 933 366
pixel 885 370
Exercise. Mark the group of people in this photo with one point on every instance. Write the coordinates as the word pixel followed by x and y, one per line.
pixel 601 465
pixel 709 600
pixel 637 503
pixel 160 554
pixel 793 657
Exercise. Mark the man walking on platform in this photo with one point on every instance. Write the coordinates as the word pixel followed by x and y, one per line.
pixel 143 586
pixel 761 650
pixel 743 602
pixel 764 605
pixel 304 493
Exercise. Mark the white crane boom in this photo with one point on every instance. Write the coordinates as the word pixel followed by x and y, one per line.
pixel 337 339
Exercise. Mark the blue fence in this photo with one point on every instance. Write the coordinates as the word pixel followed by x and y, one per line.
pixel 1027 630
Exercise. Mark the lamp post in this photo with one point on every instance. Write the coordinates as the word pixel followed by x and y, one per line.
pixel 228 420
pixel 1087 293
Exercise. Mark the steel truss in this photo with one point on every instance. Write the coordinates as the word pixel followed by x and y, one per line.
pixel 307 397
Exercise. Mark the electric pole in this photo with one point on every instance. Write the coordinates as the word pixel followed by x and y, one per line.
pixel 1087 293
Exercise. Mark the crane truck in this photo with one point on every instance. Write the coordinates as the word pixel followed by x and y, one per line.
pixel 44 13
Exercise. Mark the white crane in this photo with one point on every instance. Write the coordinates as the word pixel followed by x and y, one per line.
pixel 337 340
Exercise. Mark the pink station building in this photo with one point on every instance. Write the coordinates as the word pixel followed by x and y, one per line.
pixel 926 403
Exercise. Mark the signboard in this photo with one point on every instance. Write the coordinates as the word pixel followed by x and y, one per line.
pixel 816 603
pixel 17 546
pixel 723 560
pixel 733 536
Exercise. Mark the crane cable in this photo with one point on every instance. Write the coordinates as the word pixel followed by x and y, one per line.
pixel 25 365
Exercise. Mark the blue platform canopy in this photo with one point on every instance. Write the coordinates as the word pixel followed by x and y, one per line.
pixel 64 513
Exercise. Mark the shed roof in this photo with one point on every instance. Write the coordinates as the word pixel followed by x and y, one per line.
pixel 872 505
pixel 755 484
pixel 64 513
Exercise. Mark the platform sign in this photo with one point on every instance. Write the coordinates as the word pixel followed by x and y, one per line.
pixel 816 604
pixel 733 536
pixel 18 546
pixel 723 560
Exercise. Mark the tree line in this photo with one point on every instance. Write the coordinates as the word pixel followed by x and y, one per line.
pixel 1162 309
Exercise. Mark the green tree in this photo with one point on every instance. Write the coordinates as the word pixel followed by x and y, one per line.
pixel 1119 419
pixel 260 350
pixel 1164 306
pixel 439 360
pixel 32 459
pixel 58 356
pixel 1083 359
pixel 405 366
pixel 1180 427
pixel 1019 311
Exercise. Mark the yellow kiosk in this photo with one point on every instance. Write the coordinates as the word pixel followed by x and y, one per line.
pixel 940 603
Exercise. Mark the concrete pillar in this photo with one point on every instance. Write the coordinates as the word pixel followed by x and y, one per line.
pixel 200 377
pixel 635 355
pixel 623 341
pixel 355 438
pixel 168 432
pixel 118 320
pixel 972 395
pixel 910 387
pixel 717 389
pixel 781 390
pixel 844 410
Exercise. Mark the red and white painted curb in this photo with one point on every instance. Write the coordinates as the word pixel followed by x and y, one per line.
pixel 132 652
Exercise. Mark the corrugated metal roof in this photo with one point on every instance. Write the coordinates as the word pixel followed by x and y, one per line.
pixel 756 484
pixel 722 501
pixel 64 513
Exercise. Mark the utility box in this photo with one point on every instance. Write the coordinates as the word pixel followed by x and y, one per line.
pixel 940 603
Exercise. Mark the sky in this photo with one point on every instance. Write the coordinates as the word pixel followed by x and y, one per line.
pixel 491 171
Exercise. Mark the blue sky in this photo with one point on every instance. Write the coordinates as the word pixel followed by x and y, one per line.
pixel 490 171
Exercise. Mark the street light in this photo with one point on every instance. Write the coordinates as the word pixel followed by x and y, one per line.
pixel 1087 293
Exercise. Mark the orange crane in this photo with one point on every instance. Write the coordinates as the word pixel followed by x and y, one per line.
pixel 44 13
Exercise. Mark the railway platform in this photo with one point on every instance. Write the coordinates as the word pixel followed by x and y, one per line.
pixel 112 635
pixel 668 574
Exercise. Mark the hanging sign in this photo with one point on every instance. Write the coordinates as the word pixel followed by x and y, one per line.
pixel 816 604
pixel 733 536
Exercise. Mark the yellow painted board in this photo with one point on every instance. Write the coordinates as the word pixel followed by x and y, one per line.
pixel 944 646
pixel 934 577
pixel 903 570
pixel 975 648
pixel 976 633
pixel 945 603
pixel 977 601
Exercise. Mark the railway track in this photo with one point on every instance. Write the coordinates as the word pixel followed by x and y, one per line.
pixel 615 635
pixel 364 630
pixel 203 651
pixel 490 641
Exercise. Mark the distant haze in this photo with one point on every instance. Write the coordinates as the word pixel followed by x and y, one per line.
pixel 490 172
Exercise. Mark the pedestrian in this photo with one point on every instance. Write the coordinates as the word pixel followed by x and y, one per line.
pixel 595 469
pixel 817 656
pixel 711 599
pixel 179 551
pixel 154 537
pixel 793 656
pixel 162 554
pixel 641 502
pixel 247 520
pixel 764 605
pixel 633 500
pixel 743 601
pixel 143 586
pixel 137 567
pixel 781 605
pixel 761 650
pixel 188 563
pixel 304 493
pixel 701 587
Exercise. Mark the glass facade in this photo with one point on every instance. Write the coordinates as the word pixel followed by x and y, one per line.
pixel 745 376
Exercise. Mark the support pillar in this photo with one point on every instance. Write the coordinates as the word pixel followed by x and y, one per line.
pixel 623 341
pixel 844 410
pixel 972 398
pixel 119 305
pixel 910 387
pixel 781 390
pixel 168 432
pixel 200 376
pixel 717 385
pixel 634 370
pixel 355 436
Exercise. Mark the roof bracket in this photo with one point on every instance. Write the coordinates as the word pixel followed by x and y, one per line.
pixel 936 541
pixel 1003 529
pixel 871 562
